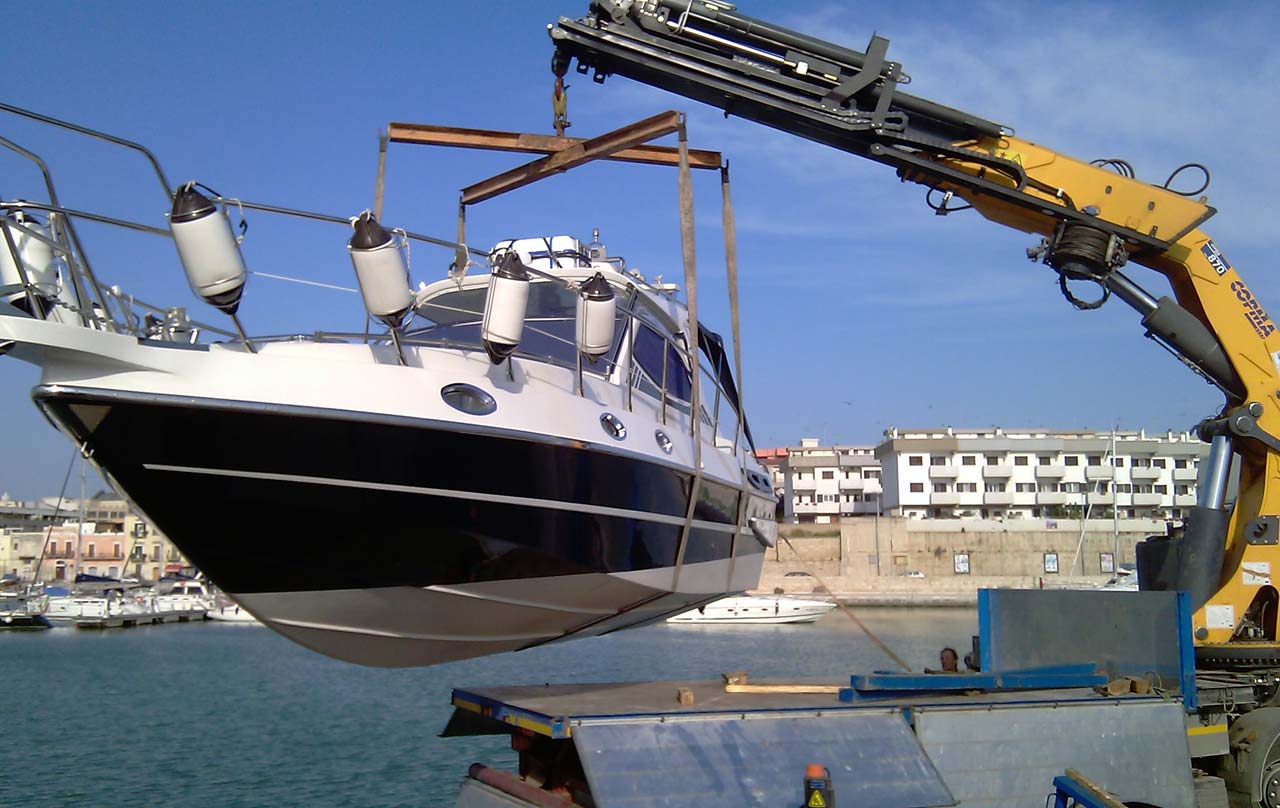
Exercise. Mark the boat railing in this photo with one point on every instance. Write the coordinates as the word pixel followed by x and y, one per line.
pixel 109 308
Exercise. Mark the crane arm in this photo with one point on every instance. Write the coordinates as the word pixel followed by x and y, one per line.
pixel 1092 218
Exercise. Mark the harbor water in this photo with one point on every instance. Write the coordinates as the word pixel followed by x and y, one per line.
pixel 232 715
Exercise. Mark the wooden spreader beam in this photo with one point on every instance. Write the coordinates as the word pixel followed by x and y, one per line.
pixel 627 144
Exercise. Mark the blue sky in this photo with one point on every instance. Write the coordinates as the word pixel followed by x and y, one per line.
pixel 861 309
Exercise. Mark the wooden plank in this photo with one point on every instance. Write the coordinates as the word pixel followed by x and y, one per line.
pixel 595 148
pixel 811 689
pixel 493 140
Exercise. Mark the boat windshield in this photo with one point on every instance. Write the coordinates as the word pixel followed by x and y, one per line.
pixel 452 320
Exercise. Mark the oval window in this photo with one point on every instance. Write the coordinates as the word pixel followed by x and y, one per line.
pixel 613 426
pixel 664 441
pixel 468 398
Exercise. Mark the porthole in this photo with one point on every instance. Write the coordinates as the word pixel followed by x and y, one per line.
pixel 664 441
pixel 468 398
pixel 615 428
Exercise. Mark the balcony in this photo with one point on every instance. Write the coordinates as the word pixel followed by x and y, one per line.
pixel 1147 500
pixel 944 498
pixel 1102 499
pixel 1185 475
pixel 1184 500
pixel 1099 473
pixel 804 485
pixel 1144 474
pixel 998 472
pixel 832 508
pixel 1050 472
pixel 1052 497
pixel 856 484
pixel 997 498
pixel 943 472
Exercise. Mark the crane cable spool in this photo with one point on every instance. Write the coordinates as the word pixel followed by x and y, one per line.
pixel 1081 252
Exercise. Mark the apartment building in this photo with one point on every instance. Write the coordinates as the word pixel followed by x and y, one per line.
pixel 823 483
pixel 110 542
pixel 1038 474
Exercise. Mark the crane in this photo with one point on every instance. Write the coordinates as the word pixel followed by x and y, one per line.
pixel 1092 219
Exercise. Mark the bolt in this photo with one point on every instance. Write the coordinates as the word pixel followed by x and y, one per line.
pixel 1241 423
pixel 1254 408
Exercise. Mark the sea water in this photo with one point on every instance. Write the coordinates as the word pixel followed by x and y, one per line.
pixel 218 714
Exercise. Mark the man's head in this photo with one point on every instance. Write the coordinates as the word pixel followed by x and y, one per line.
pixel 950 660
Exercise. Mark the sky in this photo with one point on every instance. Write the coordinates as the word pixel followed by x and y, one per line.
pixel 860 308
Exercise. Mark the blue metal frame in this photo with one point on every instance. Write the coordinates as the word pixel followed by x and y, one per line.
pixel 1186 653
pixel 985 640
pixel 893 685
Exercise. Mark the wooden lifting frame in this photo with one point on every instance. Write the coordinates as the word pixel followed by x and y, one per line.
pixel 628 144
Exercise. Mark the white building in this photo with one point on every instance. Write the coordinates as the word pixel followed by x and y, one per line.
pixel 822 483
pixel 1034 474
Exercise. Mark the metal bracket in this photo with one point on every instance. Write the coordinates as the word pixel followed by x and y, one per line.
pixel 1263 530
pixel 1243 421
pixel 864 78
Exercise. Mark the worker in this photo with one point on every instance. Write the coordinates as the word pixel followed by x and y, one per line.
pixel 949 660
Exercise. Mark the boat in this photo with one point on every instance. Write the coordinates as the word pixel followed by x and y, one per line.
pixel 757 609
pixel 506 457
pixel 21 613
pixel 99 602
pixel 226 610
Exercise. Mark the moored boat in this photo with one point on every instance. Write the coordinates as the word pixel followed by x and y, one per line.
pixel 757 609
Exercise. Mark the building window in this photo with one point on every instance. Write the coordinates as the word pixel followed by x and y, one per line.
pixel 939 488
pixel 871 474
pixel 1106 563
pixel 969 460
pixel 1124 488
pixel 937 461
pixel 93 550
pixel 992 460
pixel 915 460
pixel 115 550
pixel 960 563
pixel 1020 460
pixel 1026 488
pixel 994 487
pixel 1118 462
pixel 1160 489
pixel 900 560
pixel 1179 464
pixel 917 488
pixel 1071 460
pixel 828 475
pixel 1095 460
pixel 1158 463
pixel 1051 563
pixel 1181 489
pixel 1044 460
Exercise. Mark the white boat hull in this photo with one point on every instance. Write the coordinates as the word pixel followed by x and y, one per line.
pixel 757 611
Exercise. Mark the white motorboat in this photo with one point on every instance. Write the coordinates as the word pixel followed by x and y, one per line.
pixel 226 610
pixel 509 458
pixel 757 609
